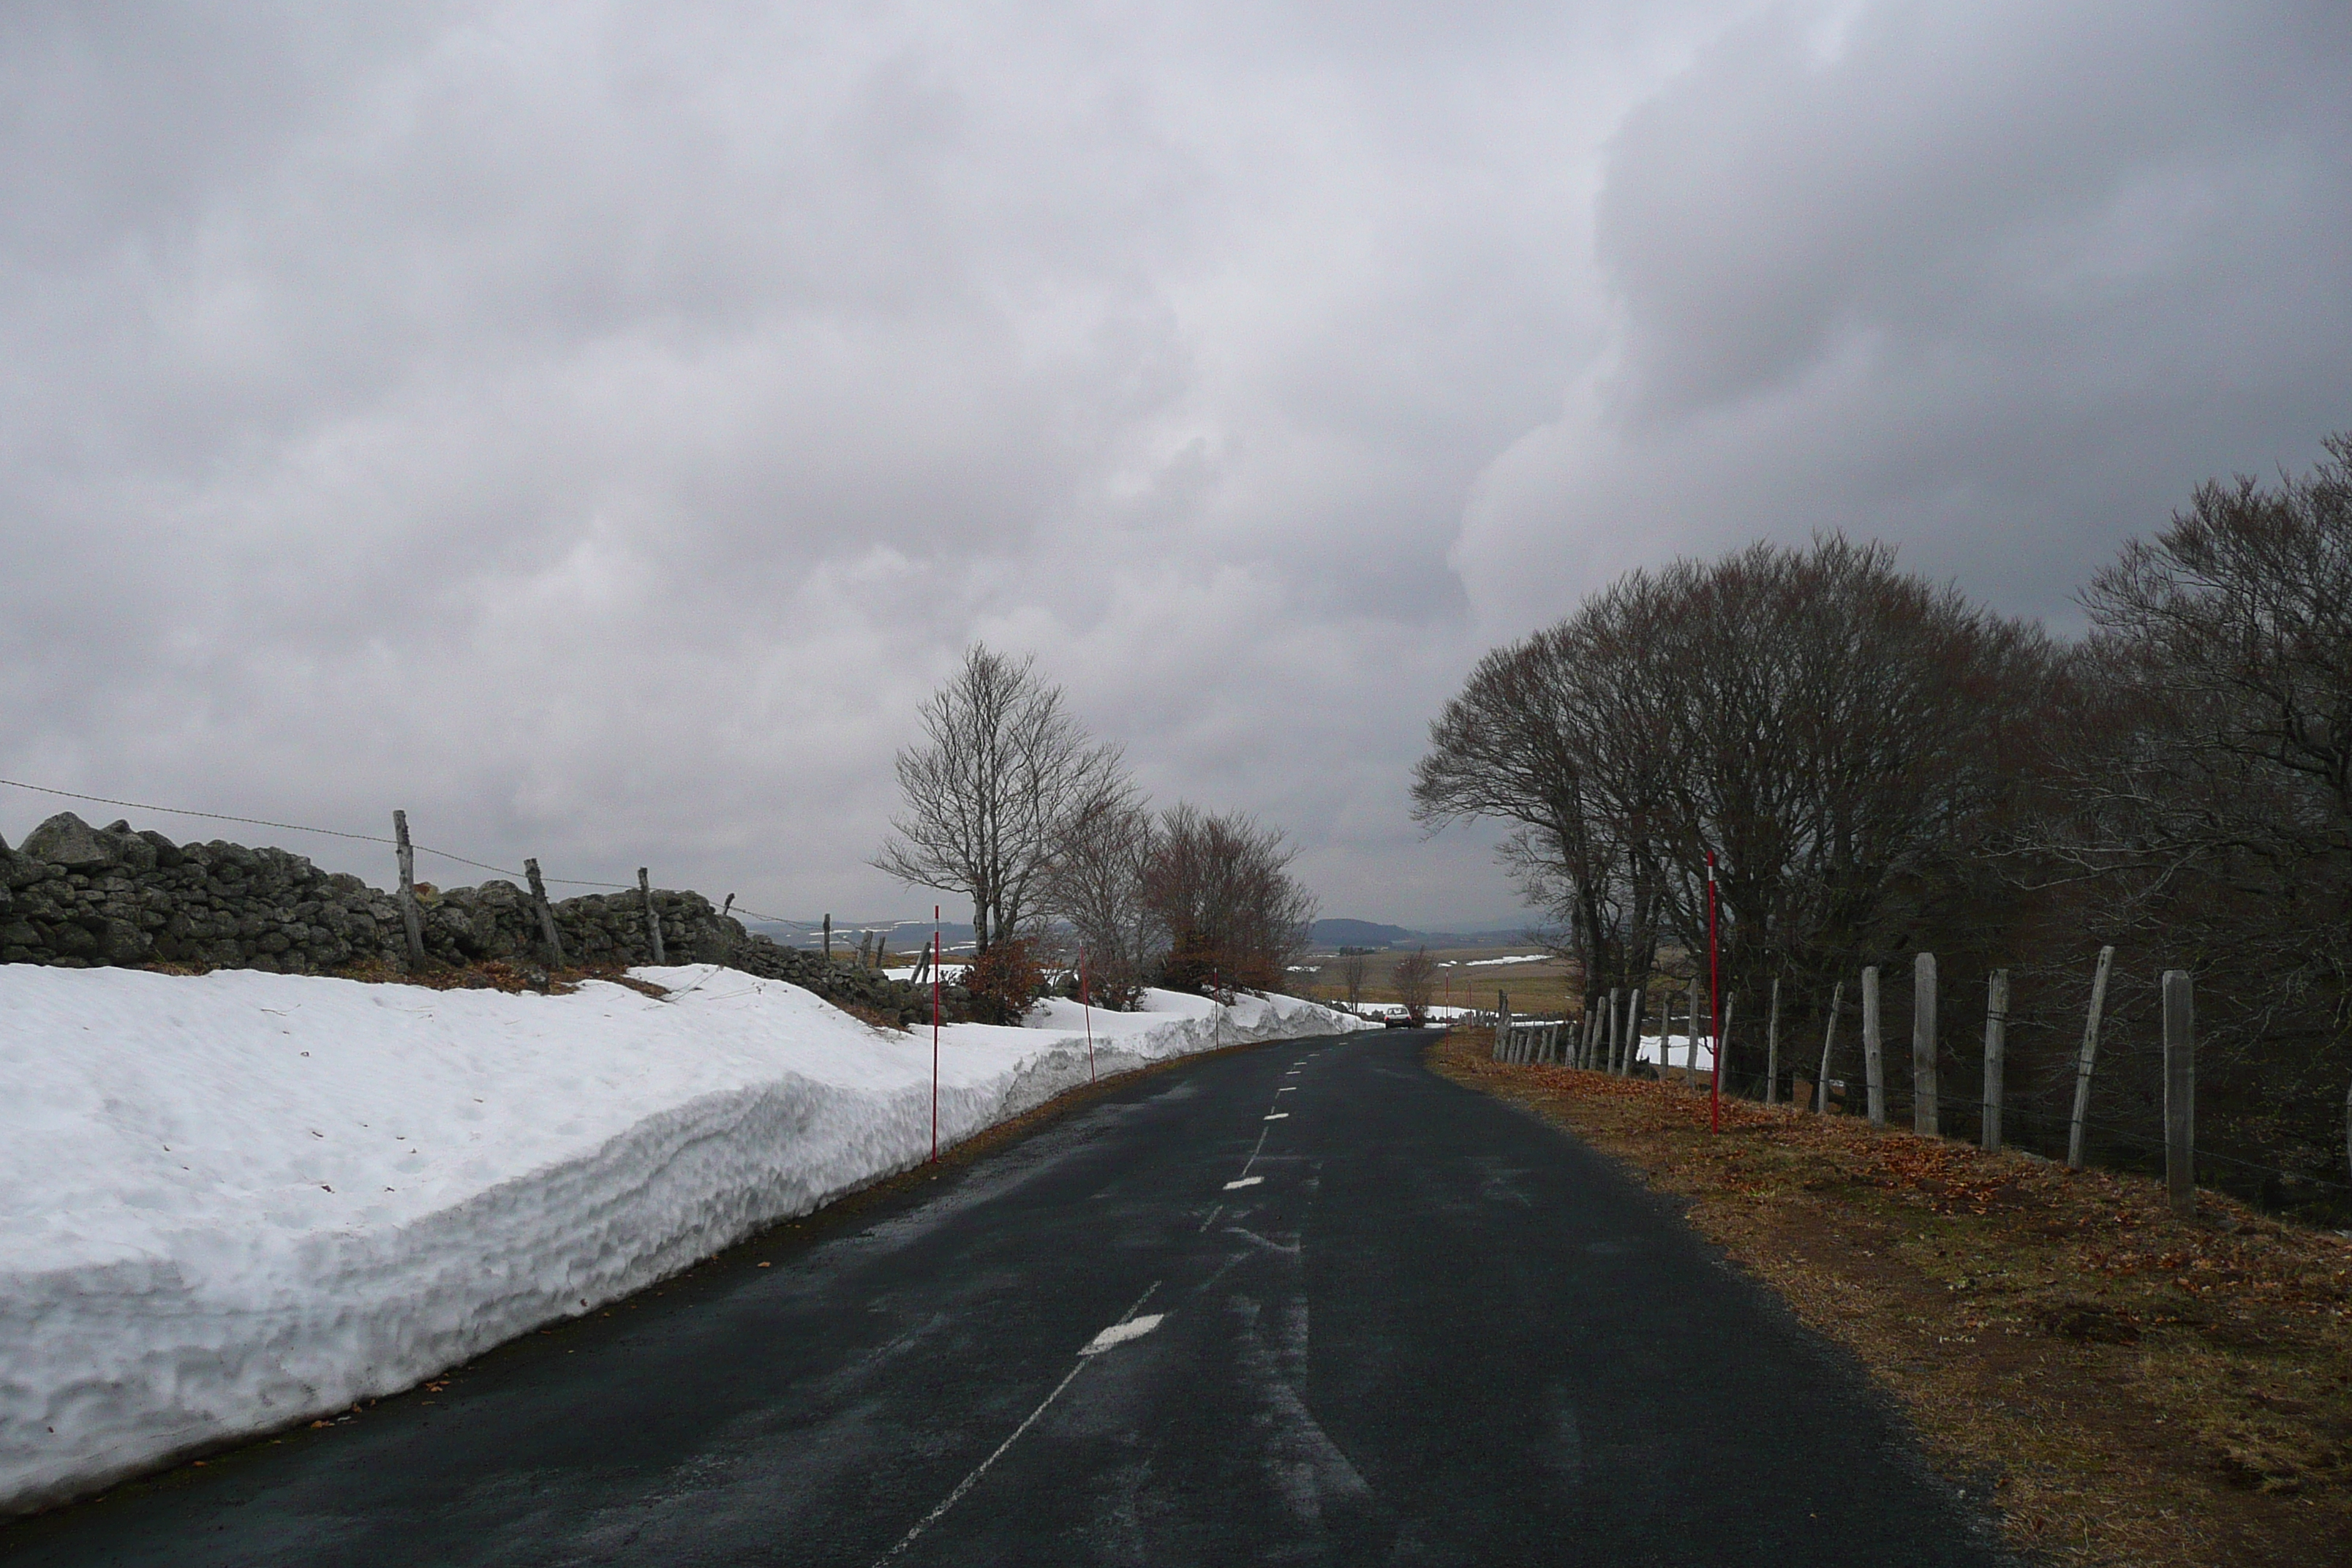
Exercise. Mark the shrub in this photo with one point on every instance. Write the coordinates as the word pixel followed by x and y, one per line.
pixel 1004 981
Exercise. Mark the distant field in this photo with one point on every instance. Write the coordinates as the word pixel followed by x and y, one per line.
pixel 1466 977
pixel 1537 982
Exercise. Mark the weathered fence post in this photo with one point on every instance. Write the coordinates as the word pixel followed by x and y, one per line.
pixel 546 914
pixel 1874 1047
pixel 2181 1093
pixel 411 920
pixel 2090 1053
pixel 1923 1045
pixel 1723 1035
pixel 1773 1049
pixel 1996 1044
pixel 828 939
pixel 1829 1040
pixel 652 919
pixel 1502 1023
pixel 1690 1044
pixel 1634 1029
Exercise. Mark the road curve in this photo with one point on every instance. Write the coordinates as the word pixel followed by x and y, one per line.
pixel 1303 1303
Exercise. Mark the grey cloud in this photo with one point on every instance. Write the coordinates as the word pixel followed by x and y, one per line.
pixel 596 428
pixel 1998 282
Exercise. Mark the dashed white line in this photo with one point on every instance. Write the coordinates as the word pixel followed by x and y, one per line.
pixel 1243 1182
pixel 1120 1333
pixel 1125 1329
pixel 1279 1116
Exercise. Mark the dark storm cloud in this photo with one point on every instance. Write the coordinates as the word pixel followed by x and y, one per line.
pixel 1999 282
pixel 597 428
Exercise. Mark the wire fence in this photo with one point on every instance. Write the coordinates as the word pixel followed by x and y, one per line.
pixel 340 833
pixel 2055 1126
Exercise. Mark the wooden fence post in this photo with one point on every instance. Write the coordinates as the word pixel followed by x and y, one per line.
pixel 1616 1041
pixel 1874 1047
pixel 2090 1053
pixel 546 914
pixel 2181 1093
pixel 652 919
pixel 1822 1090
pixel 828 939
pixel 411 920
pixel 1773 1049
pixel 1923 1045
pixel 1996 1044
pixel 1723 1033
pixel 1690 1044
pixel 1634 1029
pixel 1502 1022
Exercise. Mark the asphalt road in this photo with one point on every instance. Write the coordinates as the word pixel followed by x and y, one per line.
pixel 1304 1303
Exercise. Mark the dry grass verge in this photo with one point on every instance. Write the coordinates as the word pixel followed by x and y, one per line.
pixel 2136 1389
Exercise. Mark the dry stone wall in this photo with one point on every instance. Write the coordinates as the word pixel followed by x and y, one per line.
pixel 78 896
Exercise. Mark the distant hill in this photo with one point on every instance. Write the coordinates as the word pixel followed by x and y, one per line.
pixel 1326 934
pixel 1356 933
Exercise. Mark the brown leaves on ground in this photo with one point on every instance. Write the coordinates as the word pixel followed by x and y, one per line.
pixel 2132 1388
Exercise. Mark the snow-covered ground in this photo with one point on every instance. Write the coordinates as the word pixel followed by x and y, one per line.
pixel 951 970
pixel 232 1201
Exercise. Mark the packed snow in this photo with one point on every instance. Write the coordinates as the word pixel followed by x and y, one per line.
pixel 236 1200
pixel 1491 962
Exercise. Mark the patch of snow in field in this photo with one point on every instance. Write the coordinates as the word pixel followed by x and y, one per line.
pixel 1648 1051
pixel 950 971
pixel 1490 963
pixel 233 1202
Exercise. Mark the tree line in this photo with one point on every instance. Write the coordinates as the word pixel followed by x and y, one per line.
pixel 1881 767
pixel 1008 803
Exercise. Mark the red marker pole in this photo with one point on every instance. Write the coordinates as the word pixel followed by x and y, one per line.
pixel 1715 1002
pixel 1084 1001
pixel 935 1033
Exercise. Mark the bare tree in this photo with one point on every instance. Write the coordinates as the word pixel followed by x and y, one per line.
pixel 1094 883
pixel 1004 768
pixel 1415 979
pixel 2197 800
pixel 1351 975
pixel 1837 734
pixel 1221 886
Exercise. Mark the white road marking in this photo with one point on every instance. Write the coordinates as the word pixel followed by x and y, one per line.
pixel 1279 1116
pixel 1211 1220
pixel 1287 1088
pixel 1100 1342
pixel 1244 1181
pixel 1120 1333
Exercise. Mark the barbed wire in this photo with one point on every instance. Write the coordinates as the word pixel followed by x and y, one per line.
pixel 304 828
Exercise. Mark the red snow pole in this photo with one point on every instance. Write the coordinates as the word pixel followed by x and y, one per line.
pixel 1715 1002
pixel 935 1033
pixel 1084 1001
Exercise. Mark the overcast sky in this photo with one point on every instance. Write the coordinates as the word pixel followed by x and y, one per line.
pixel 597 428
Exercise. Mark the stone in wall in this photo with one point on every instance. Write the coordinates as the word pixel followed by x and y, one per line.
pixel 77 896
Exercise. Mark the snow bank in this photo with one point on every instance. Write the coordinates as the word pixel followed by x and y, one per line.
pixel 233 1202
